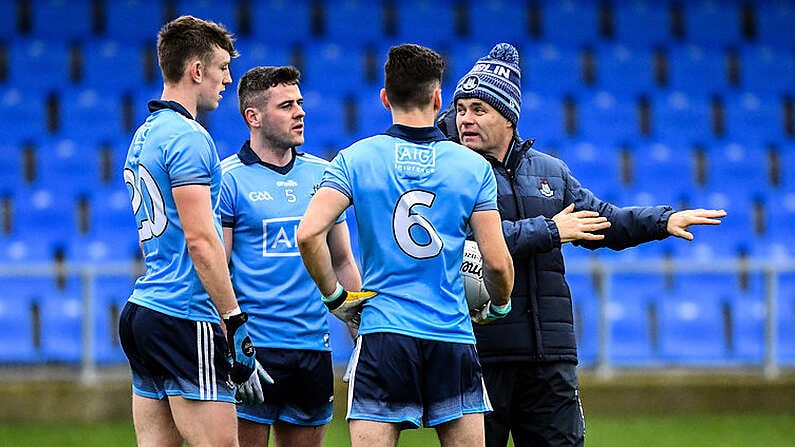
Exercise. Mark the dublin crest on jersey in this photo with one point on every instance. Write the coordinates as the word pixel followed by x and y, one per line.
pixel 544 188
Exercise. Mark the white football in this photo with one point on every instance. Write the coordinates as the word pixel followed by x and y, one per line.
pixel 472 274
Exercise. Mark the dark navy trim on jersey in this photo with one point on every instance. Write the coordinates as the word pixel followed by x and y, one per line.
pixel 159 104
pixel 247 156
pixel 416 135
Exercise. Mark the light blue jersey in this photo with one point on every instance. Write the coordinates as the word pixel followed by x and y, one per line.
pixel 264 204
pixel 413 193
pixel 170 149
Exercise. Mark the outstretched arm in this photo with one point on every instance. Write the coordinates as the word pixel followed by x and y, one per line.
pixel 681 220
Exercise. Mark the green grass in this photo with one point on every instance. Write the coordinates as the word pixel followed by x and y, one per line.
pixel 602 431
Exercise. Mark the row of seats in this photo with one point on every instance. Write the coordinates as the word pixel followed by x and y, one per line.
pixel 703 320
pixel 549 67
pixel 648 324
pixel 707 22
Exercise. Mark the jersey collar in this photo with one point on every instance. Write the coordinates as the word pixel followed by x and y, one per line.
pixel 417 135
pixel 247 156
pixel 159 104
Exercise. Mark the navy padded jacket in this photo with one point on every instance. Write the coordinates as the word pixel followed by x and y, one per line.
pixel 532 187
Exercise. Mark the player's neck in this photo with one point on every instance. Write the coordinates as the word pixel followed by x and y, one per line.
pixel 184 98
pixel 413 118
pixel 277 156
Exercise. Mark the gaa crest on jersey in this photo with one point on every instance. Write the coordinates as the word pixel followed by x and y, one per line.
pixel 470 83
pixel 315 187
pixel 544 188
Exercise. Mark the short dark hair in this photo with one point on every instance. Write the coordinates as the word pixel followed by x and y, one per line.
pixel 186 37
pixel 255 83
pixel 411 74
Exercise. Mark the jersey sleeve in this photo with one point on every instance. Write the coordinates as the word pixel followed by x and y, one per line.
pixel 487 196
pixel 190 159
pixel 226 206
pixel 336 176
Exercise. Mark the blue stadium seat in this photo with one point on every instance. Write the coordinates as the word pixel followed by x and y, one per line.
pixel 461 57
pixel 281 22
pixel 254 53
pixel 774 24
pixel 624 70
pixel 643 23
pixel 61 19
pixel 511 16
pixel 754 117
pixel 595 170
pixel 39 211
pixel 766 69
pixel 134 21
pixel 61 323
pixel 110 293
pixel 697 69
pixel 654 165
pixel 786 155
pixel 780 218
pixel 557 70
pixel 631 312
pixel 23 114
pixel 680 118
pixel 38 64
pixel 373 117
pixel 711 23
pixel 786 319
pixel 68 166
pixel 692 326
pixel 324 122
pixel 354 22
pixel 91 115
pixel 570 23
pixel 738 169
pixel 542 118
pixel 11 176
pixel 112 65
pixel 18 338
pixel 219 11
pixel 749 313
pixel 334 68
pixel 607 118
pixel 8 20
pixel 586 316
pixel 733 235
pixel 426 22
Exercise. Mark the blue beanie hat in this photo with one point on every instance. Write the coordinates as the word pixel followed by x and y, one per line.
pixel 496 79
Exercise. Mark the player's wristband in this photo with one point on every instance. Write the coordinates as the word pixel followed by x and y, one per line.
pixel 501 310
pixel 232 313
pixel 336 298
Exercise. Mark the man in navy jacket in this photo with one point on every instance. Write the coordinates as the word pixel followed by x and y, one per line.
pixel 529 358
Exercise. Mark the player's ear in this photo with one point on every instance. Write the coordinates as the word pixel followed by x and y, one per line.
pixel 437 100
pixel 252 117
pixel 195 69
pixel 385 100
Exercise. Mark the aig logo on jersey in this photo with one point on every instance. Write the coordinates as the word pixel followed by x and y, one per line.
pixel 415 158
pixel 278 236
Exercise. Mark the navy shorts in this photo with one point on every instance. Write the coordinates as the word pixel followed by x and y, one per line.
pixel 410 381
pixel 172 356
pixel 303 392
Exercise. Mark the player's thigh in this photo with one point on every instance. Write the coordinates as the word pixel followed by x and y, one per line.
pixel 466 431
pixel 205 423
pixel 252 434
pixel 373 434
pixel 287 435
pixel 154 425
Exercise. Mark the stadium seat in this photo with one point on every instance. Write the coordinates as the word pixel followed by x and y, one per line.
pixel 655 165
pixel 570 23
pixel 373 118
pixel 8 20
pixel 558 70
pixel 38 212
pixel 254 53
pixel 786 319
pixel 593 168
pixel 23 114
pixel 219 11
pixel 607 118
pixel 11 176
pixel 766 69
pixel 460 57
pixel 110 296
pixel 774 24
pixel 61 19
pixel 134 21
pixel 642 23
pixel 680 119
pixel 69 166
pixel 787 166
pixel 712 24
pixel 624 70
pixel 426 22
pixel 511 16
pixel 61 323
pixel 367 17
pixel 754 117
pixel 749 313
pixel 738 169
pixel 324 122
pixel 18 339
pixel 632 317
pixel 335 69
pixel 91 115
pixel 38 65
pixel 780 218
pixel 281 22
pixel 692 324
pixel 734 235
pixel 586 316
pixel 697 69
pixel 542 118
pixel 112 65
